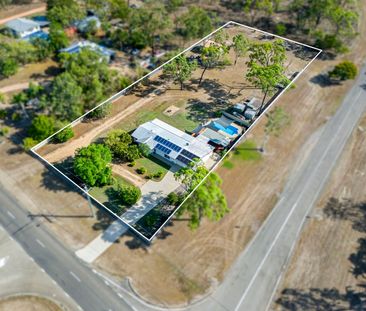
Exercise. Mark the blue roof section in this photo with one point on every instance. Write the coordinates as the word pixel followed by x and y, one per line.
pixel 41 20
pixel 35 35
pixel 76 47
pixel 21 24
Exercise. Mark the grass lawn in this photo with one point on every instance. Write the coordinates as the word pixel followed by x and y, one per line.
pixel 247 151
pixel 179 120
pixel 152 165
pixel 108 195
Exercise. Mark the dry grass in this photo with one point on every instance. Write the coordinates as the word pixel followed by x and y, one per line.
pixel 28 303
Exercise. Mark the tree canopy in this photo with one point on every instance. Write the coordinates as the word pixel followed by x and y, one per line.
pixel 266 67
pixel 92 164
pixel 207 200
pixel 180 69
pixel 196 23
pixel 240 45
pixel 129 194
pixel 344 71
pixel 42 127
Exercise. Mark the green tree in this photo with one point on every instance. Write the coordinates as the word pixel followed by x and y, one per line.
pixel 240 45
pixel 266 67
pixel 63 136
pixel 92 164
pixel 212 56
pixel 344 71
pixel 101 112
pixel 152 22
pixel 207 200
pixel 28 143
pixel 43 48
pixel 8 67
pixel 252 7
pixel 66 98
pixel 117 136
pixel 42 127
pixel 196 23
pixel 64 12
pixel 145 150
pixel 129 194
pixel 57 37
pixel 180 69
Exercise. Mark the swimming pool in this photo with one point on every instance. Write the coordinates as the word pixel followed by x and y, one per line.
pixel 231 130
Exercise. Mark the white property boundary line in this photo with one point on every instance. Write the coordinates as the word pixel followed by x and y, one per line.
pixel 122 92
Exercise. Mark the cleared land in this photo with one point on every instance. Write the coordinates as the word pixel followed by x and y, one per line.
pixel 27 303
pixel 194 105
pixel 327 268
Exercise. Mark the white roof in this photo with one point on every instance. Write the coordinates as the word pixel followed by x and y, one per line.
pixel 146 133
pixel 22 24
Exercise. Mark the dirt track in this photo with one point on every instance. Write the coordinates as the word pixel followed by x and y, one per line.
pixel 27 13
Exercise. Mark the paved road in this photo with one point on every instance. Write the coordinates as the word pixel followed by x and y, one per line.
pixel 86 288
pixel 20 274
pixel 255 276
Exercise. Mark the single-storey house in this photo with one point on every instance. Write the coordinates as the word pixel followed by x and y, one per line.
pixel 172 144
pixel 78 46
pixel 83 25
pixel 25 29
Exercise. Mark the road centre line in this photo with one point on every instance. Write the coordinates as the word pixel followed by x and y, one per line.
pixel 40 243
pixel 75 276
pixel 10 214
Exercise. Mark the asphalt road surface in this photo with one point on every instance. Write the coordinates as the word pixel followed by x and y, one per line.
pixel 76 279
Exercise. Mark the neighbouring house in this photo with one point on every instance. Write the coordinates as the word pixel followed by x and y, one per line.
pixel 25 29
pixel 172 144
pixel 107 54
pixel 83 25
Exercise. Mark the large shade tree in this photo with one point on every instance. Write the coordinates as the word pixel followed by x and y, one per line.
pixel 196 23
pixel 92 164
pixel 266 69
pixel 207 200
pixel 212 56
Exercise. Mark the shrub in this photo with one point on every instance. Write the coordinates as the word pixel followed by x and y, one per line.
pixel 4 131
pixel 28 143
pixel 63 136
pixel 173 198
pixel 281 29
pixel 141 170
pixel 3 114
pixel 144 150
pixel 15 117
pixel 129 194
pixel 344 71
pixel 132 164
pixel 158 174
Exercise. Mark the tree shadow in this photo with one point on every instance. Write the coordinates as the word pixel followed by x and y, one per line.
pixel 346 209
pixel 363 86
pixel 201 112
pixel 136 243
pixel 358 259
pixel 104 220
pixel 323 80
pixel 53 181
pixel 216 91
pixel 322 299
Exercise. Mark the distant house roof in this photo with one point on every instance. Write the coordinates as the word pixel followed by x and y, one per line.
pixel 78 46
pixel 21 25
pixel 180 143
pixel 38 34
pixel 41 20
pixel 83 24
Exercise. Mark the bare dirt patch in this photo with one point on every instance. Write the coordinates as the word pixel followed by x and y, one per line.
pixel 28 303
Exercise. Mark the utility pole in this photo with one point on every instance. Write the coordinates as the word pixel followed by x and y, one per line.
pixel 91 207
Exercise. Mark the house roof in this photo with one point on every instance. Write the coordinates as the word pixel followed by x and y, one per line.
pixel 76 47
pixel 21 24
pixel 148 133
pixel 215 137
